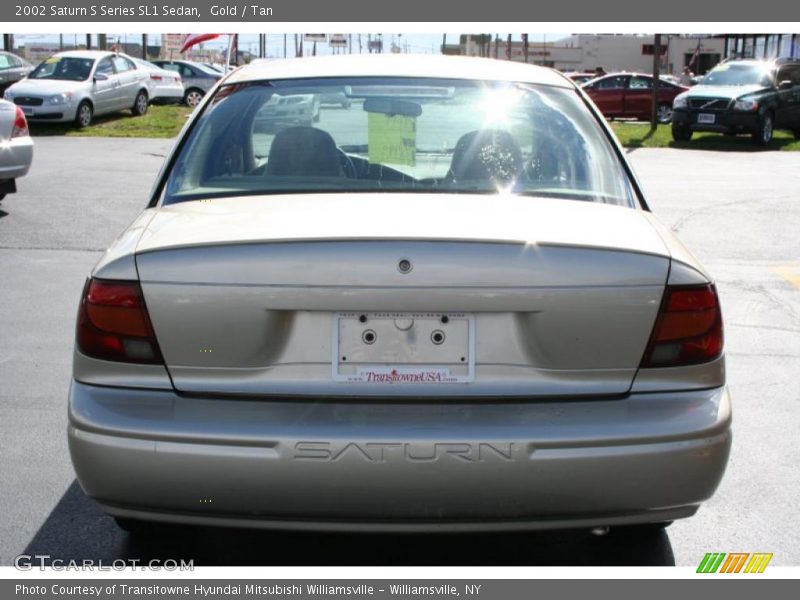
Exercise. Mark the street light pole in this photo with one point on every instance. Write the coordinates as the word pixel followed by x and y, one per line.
pixel 656 80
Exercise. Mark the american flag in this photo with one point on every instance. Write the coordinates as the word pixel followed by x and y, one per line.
pixel 193 39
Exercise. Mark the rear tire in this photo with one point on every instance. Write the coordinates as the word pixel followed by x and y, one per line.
pixel 140 104
pixel 664 113
pixel 192 97
pixel 84 115
pixel 644 529
pixel 134 526
pixel 763 137
pixel 681 133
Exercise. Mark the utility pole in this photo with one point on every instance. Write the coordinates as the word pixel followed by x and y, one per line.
pixel 284 45
pixel 525 45
pixel 497 45
pixel 656 80
pixel 508 48
pixel 61 41
pixel 88 41
pixel 144 46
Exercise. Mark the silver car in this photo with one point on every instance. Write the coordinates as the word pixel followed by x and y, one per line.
pixel 197 78
pixel 448 307
pixel 12 69
pixel 16 147
pixel 78 85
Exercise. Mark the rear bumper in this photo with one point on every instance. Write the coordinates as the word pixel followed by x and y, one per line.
pixel 398 465
pixel 16 156
pixel 725 122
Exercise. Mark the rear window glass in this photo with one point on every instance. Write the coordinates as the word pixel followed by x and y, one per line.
pixel 397 135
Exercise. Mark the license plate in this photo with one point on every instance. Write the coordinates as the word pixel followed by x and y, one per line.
pixel 706 118
pixel 403 348
pixel 28 112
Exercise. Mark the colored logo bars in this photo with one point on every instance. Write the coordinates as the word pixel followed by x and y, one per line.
pixel 734 562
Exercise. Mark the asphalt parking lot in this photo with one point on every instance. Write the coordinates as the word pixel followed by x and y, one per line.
pixel 739 212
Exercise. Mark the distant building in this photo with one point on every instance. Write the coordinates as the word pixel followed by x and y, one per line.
pixel 627 52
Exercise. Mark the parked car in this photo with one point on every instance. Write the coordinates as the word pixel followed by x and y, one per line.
pixel 630 96
pixel 742 96
pixel 580 77
pixel 197 78
pixel 284 111
pixel 12 69
pixel 16 147
pixel 451 310
pixel 165 87
pixel 337 98
pixel 79 85
pixel 219 68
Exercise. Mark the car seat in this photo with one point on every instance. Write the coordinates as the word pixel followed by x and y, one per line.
pixel 486 154
pixel 303 151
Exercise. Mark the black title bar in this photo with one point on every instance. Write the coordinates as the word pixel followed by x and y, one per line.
pixel 362 11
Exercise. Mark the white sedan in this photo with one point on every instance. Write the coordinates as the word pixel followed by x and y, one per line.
pixel 78 85
pixel 166 87
pixel 16 147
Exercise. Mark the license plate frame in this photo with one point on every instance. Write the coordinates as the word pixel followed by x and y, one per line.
pixel 28 112
pixel 706 119
pixel 404 349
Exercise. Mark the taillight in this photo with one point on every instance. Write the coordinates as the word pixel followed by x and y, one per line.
pixel 688 329
pixel 113 323
pixel 155 77
pixel 20 125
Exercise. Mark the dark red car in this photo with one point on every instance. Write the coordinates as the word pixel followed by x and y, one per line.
pixel 630 96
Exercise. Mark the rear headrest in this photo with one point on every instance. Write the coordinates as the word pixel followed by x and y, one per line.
pixel 486 154
pixel 304 151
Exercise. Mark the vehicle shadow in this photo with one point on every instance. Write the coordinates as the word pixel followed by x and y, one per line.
pixel 740 143
pixel 55 129
pixel 76 529
pixel 703 141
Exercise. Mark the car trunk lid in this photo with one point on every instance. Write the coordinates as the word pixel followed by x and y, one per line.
pixel 245 293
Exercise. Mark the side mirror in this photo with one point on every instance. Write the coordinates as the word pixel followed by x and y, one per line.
pixel 100 77
pixel 786 84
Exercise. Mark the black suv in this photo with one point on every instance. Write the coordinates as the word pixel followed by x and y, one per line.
pixel 742 96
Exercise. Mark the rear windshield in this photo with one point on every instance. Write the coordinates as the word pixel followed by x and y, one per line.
pixel 397 135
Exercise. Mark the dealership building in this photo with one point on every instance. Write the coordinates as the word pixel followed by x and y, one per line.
pixel 585 52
